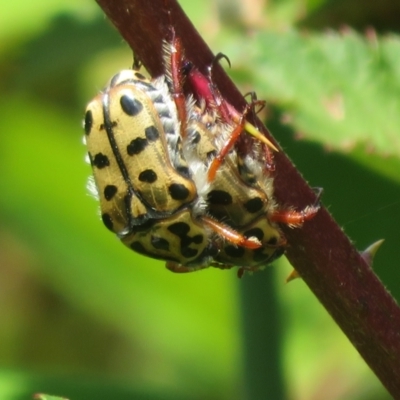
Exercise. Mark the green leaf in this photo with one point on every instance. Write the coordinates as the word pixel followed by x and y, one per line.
pixel 341 90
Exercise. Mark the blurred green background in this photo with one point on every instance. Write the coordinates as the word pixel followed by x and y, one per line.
pixel 82 316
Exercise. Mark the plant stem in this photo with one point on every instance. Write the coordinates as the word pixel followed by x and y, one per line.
pixel 322 254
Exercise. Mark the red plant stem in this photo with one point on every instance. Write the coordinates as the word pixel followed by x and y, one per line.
pixel 325 258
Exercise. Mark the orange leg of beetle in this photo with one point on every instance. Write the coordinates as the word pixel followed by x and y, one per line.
pixel 242 125
pixel 225 232
pixel 176 51
pixel 231 235
pixel 294 218
pixel 219 158
pixel 206 90
pixel 181 269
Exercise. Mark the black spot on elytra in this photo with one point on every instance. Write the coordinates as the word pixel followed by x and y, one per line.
pixel 178 191
pixel 109 192
pixel 88 121
pixel 107 221
pixel 139 248
pixel 219 197
pixel 187 252
pixel 235 252
pixel 151 133
pixel 278 252
pixel 219 215
pixel 136 146
pixel 262 255
pixel 211 154
pixel 100 161
pixel 257 232
pixel 138 75
pixel 254 205
pixel 159 243
pixel 186 241
pixel 196 137
pixel 273 241
pixel 179 229
pixel 183 171
pixel 148 176
pixel 212 250
pixel 245 172
pixel 197 239
pixel 143 225
pixel 130 105
pixel 114 79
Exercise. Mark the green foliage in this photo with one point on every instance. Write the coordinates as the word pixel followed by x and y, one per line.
pixel 82 316
pixel 340 90
pixel 41 396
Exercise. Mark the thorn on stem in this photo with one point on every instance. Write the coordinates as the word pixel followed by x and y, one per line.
pixel 369 253
pixel 292 276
